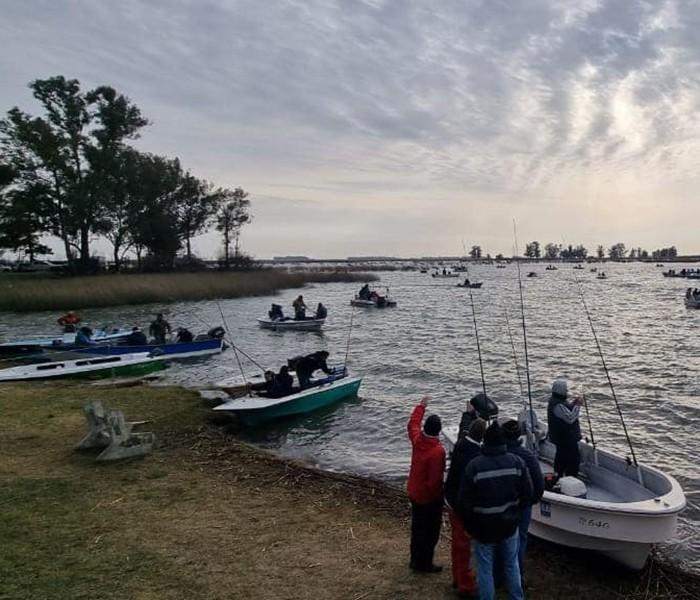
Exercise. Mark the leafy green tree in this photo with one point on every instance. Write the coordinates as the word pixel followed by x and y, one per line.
pixel 552 251
pixel 475 252
pixel 532 250
pixel 617 251
pixel 231 217
pixel 600 252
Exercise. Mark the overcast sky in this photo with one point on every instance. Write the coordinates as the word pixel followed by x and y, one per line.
pixel 401 127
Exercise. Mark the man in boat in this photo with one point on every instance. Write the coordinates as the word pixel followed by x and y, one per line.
pixel 282 384
pixel 425 488
pixel 84 337
pixel 306 366
pixel 184 336
pixel 512 432
pixel 299 309
pixel 136 338
pixel 468 446
pixel 466 282
pixel 159 328
pixel 564 429
pixel 69 321
pixel 275 313
pixel 495 487
pixel 364 292
pixel 321 312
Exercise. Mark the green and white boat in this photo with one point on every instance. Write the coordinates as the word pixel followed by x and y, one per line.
pixel 87 367
pixel 257 409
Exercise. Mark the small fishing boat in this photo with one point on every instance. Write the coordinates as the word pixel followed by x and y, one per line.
pixel 290 324
pixel 375 300
pixel 532 274
pixel 257 409
pixel 601 276
pixel 578 267
pixel 594 269
pixel 692 301
pixel 626 508
pixel 66 341
pixel 196 348
pixel 89 367
pixel 473 286
pixel 500 266
pixel 551 268
pixel 444 275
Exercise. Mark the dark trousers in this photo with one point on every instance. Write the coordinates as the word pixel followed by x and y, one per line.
pixel 567 459
pixel 426 520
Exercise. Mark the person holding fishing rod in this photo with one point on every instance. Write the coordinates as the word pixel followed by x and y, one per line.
pixel 564 429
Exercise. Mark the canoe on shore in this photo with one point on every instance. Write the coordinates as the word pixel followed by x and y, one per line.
pixel 626 508
pixel 257 409
pixel 90 367
pixel 292 324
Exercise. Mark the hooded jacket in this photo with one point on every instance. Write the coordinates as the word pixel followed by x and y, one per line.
pixel 464 451
pixel 533 467
pixel 427 462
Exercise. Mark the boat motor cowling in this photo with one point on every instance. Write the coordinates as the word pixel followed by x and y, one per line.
pixel 485 407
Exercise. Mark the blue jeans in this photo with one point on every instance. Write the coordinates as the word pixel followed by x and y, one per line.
pixel 522 535
pixel 484 554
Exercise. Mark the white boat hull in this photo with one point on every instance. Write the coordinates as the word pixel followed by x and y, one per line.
pixel 292 325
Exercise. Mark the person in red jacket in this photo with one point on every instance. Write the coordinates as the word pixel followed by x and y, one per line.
pixel 425 487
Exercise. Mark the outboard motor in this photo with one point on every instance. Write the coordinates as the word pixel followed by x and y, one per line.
pixel 485 407
pixel 216 333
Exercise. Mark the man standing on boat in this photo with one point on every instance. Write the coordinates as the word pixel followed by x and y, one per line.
pixel 425 488
pixel 299 307
pixel 564 429
pixel 306 365
pixel 159 328
pixel 496 486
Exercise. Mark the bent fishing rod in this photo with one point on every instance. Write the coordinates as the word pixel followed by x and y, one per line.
pixel 515 355
pixel 522 312
pixel 607 373
pixel 476 329
pixel 235 350
pixel 347 344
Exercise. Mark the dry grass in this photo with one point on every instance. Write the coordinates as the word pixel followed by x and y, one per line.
pixel 65 293
pixel 207 517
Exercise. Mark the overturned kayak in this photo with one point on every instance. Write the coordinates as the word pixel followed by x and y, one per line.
pixel 258 409
pixel 97 367
pixel 626 508
pixel 292 324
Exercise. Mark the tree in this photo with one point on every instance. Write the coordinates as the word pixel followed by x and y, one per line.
pixel 532 250
pixel 600 251
pixel 475 252
pixel 617 251
pixel 67 153
pixel 231 217
pixel 552 251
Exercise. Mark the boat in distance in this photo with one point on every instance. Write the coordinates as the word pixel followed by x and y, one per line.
pixel 254 410
pixel 626 510
pixel 291 324
pixel 473 286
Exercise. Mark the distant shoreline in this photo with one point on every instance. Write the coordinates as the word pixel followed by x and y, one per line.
pixel 22 293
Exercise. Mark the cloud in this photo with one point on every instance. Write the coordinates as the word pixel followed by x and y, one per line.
pixel 473 106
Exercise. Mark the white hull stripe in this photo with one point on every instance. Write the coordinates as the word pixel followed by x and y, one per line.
pixel 497 473
pixel 493 510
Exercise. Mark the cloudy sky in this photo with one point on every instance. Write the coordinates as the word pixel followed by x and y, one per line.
pixel 401 127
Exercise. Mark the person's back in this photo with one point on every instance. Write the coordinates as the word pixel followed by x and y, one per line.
pixel 564 429
pixel 84 337
pixel 282 385
pixel 321 312
pixel 184 336
pixel 136 338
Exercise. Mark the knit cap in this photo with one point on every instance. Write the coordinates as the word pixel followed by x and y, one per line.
pixel 432 425
pixel 494 435
pixel 560 387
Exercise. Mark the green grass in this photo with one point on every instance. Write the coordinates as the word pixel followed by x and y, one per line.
pixel 20 294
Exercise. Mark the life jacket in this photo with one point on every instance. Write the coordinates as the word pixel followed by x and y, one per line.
pixel 560 431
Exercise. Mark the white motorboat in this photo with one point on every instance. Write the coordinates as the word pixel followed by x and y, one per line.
pixel 292 324
pixel 625 511
pixel 444 275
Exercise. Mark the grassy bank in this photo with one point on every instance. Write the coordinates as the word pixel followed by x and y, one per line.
pixel 66 293
pixel 208 517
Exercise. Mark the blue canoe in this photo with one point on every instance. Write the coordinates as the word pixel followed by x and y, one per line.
pixel 181 350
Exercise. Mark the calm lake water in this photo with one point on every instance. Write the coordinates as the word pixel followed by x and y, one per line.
pixel 426 346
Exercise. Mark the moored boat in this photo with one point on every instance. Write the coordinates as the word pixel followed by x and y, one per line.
pixel 374 300
pixel 291 324
pixel 192 349
pixel 257 409
pixel 444 275
pixel 65 341
pixel 626 508
pixel 130 365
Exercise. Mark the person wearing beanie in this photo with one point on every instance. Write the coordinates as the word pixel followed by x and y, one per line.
pixel 495 488
pixel 564 429
pixel 466 448
pixel 425 489
pixel 512 432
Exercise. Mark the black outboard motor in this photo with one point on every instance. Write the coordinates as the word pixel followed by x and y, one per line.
pixel 275 313
pixel 381 301
pixel 216 333
pixel 485 407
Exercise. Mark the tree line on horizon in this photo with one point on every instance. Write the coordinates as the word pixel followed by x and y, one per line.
pixel 73 173
pixel 552 251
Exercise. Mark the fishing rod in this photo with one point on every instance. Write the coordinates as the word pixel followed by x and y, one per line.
pixel 347 344
pixel 522 311
pixel 476 329
pixel 235 350
pixel 588 417
pixel 607 373
pixel 515 356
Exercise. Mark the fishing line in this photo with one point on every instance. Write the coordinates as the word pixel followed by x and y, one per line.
pixel 476 329
pixel 235 350
pixel 515 355
pixel 347 345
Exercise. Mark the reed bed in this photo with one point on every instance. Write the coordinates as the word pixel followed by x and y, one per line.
pixel 67 293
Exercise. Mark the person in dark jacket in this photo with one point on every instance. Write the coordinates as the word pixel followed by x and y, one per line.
pixel 281 384
pixel 496 486
pixel 321 311
pixel 84 337
pixel 564 429
pixel 306 366
pixel 136 338
pixel 479 406
pixel 425 487
pixel 184 336
pixel 159 328
pixel 299 307
pixel 513 433
pixel 466 448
